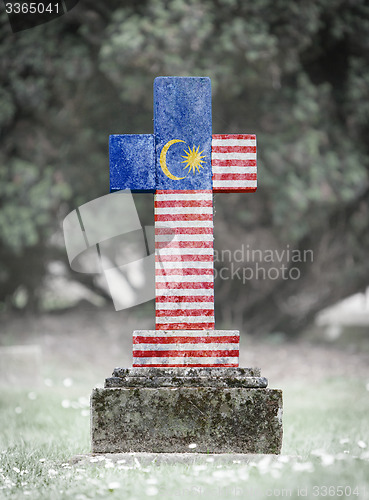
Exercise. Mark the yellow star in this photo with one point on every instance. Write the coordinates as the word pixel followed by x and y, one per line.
pixel 193 159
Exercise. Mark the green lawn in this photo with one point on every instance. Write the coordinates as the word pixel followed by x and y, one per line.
pixel 325 451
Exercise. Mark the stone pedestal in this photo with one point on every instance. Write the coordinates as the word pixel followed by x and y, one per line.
pixel 165 410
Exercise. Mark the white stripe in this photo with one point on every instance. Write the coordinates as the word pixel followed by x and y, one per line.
pixel 185 333
pixel 230 169
pixel 184 305
pixel 186 361
pixel 184 292
pixel 183 223
pixel 184 251
pixel 178 197
pixel 183 265
pixel 234 184
pixel 233 156
pixel 233 142
pixel 183 210
pixel 184 237
pixel 186 347
pixel 179 278
pixel 185 319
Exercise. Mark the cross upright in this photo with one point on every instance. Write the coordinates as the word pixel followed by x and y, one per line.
pixel 183 164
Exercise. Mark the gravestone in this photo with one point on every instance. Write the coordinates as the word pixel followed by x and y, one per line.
pixel 185 391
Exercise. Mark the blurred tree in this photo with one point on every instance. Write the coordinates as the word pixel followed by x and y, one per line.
pixel 296 74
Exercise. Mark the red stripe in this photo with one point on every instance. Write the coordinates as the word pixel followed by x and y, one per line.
pixel 185 326
pixel 184 354
pixel 183 191
pixel 184 312
pixel 183 244
pixel 240 189
pixel 234 177
pixel 233 163
pixel 195 365
pixel 192 285
pixel 179 298
pixel 185 340
pixel 182 203
pixel 184 230
pixel 185 271
pixel 233 149
pixel 180 258
pixel 176 217
pixel 234 136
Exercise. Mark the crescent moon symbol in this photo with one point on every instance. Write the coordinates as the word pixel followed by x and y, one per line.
pixel 163 160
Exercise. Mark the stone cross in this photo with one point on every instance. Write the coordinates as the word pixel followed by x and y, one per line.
pixel 183 164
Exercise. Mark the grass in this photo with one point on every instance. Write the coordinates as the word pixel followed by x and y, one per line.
pixel 325 451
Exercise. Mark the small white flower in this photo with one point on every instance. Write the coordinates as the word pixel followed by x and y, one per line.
pixel 200 467
pixel 361 444
pixel 67 382
pixel 15 469
pixel 85 413
pixel 18 410
pixel 210 459
pixel 121 461
pixel 318 453
pixel 109 465
pixel 344 440
pixel 32 396
pixel 42 460
pixel 327 460
pixel 192 446
pixel 152 491
pixel 114 485
pixel 48 382
pixel 65 403
pixel 26 492
pixel 303 467
pixel 52 472
pixel 94 459
pixel 152 480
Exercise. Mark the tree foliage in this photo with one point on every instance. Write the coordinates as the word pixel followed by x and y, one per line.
pixel 295 73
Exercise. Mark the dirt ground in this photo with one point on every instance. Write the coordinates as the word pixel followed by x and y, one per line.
pixel 88 342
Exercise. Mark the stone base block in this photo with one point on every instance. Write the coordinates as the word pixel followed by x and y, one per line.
pixel 127 416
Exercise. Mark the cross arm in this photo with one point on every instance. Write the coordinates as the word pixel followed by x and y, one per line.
pixel 132 162
pixel 233 161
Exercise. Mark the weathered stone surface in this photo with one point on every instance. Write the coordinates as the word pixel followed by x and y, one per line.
pixel 217 420
pixel 187 377
pixel 252 382
pixel 186 372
